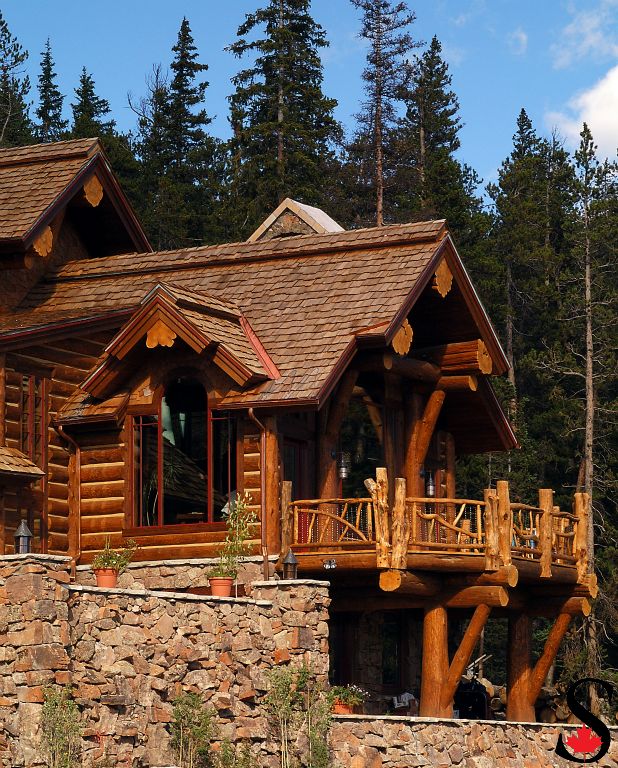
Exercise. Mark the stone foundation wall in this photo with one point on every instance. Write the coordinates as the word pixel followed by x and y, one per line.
pixel 177 574
pixel 392 742
pixel 128 653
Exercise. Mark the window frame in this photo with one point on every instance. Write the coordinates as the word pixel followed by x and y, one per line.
pixel 133 512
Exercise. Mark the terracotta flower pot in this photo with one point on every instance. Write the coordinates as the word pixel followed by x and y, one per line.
pixel 339 708
pixel 106 577
pixel 221 586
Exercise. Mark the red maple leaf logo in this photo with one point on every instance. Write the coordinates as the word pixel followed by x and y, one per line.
pixel 584 741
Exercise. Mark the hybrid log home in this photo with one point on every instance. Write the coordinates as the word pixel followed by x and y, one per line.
pixel 333 375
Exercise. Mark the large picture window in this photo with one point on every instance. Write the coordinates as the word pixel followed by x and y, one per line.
pixel 184 459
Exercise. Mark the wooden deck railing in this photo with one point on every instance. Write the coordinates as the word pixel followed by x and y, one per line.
pixel 328 522
pixel 446 524
pixel 496 528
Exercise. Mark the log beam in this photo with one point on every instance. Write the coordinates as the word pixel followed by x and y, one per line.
pixel 505 576
pixel 459 356
pixel 434 661
pixel 465 383
pixel 470 597
pixel 547 658
pixel 461 659
pixel 518 707
pixel 405 582
pixel 408 367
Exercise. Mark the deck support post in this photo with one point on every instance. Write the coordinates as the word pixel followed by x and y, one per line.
pixel 461 659
pixel 505 522
pixel 519 669
pixel 287 519
pixel 435 662
pixel 547 658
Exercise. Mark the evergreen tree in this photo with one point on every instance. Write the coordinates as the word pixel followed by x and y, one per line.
pixel 15 123
pixel 386 27
pixel 283 124
pixel 89 111
pixel 51 126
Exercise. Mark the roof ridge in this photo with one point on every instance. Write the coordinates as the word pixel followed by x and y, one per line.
pixel 48 152
pixel 224 253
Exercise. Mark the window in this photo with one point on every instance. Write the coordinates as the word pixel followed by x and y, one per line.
pixel 184 459
pixel 33 418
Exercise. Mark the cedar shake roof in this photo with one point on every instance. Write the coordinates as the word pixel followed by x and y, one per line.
pixel 35 179
pixel 13 463
pixel 310 300
pixel 31 178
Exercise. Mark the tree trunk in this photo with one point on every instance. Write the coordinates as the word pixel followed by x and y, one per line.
pixel 280 172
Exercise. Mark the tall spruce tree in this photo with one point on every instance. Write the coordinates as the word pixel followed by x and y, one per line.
pixel 15 123
pixel 385 25
pixel 89 110
pixel 283 125
pixel 51 126
pixel 182 165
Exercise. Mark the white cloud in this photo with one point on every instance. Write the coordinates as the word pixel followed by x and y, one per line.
pixel 591 33
pixel 518 41
pixel 597 106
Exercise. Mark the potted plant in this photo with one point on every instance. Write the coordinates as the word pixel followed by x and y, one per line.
pixel 109 563
pixel 346 697
pixel 239 519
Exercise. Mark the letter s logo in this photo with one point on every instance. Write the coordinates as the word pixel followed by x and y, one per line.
pixel 586 716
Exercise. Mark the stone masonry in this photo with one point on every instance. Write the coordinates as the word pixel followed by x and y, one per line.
pixel 128 652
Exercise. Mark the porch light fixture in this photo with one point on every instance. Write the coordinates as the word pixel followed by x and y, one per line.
pixel 344 465
pixel 290 566
pixel 23 539
pixel 430 487
pixel 329 565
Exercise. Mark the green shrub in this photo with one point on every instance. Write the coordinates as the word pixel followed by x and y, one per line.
pixel 192 730
pixel 61 728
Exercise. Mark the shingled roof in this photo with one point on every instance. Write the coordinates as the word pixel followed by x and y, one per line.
pixel 35 179
pixel 13 463
pixel 311 300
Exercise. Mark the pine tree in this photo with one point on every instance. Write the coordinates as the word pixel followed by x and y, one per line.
pixel 89 110
pixel 15 123
pixel 386 27
pixel 51 126
pixel 283 124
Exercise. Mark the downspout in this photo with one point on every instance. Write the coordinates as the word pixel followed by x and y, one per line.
pixel 262 428
pixel 77 494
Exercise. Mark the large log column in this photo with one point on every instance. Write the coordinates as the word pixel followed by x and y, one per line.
pixel 413 409
pixel 519 669
pixel 435 663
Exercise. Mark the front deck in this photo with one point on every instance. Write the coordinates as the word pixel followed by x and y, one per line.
pixel 441 534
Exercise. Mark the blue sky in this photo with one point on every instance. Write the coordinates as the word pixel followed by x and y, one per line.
pixel 556 58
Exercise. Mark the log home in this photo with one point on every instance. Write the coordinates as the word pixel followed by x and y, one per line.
pixel 333 375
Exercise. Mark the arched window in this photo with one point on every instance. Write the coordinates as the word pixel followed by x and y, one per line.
pixel 184 459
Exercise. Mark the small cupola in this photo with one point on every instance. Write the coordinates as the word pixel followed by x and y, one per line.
pixel 291 219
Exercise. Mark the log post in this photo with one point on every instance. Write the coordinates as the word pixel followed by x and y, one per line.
pixel 435 660
pixel 382 527
pixel 329 426
pixel 413 409
pixel 546 503
pixel 401 527
pixel 519 708
pixel 287 518
pixel 505 522
pixel 272 465
pixel 547 658
pixel 428 423
pixel 492 541
pixel 461 658
pixel 451 485
pixel 581 508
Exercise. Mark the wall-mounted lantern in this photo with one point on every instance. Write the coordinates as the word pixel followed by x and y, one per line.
pixel 23 539
pixel 344 465
pixel 290 566
pixel 430 486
